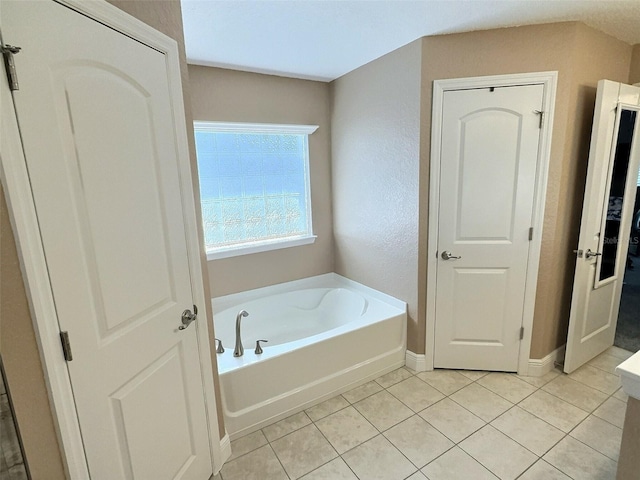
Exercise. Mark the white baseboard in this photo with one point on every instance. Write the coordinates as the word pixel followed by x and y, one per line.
pixel 540 367
pixel 416 361
pixel 225 448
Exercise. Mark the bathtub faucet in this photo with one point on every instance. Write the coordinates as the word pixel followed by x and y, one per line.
pixel 239 350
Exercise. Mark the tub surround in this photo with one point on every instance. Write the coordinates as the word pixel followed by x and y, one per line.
pixel 363 337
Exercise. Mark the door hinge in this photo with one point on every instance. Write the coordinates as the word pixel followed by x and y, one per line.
pixel 521 333
pixel 541 113
pixel 530 233
pixel 66 346
pixel 8 51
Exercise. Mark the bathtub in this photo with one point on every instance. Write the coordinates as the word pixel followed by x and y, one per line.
pixel 326 335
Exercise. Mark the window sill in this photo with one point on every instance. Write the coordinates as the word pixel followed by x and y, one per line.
pixel 260 247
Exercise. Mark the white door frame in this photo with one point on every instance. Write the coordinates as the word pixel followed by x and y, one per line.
pixel 549 81
pixel 22 213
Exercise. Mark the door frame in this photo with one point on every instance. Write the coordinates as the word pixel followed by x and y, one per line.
pixel 15 181
pixel 549 81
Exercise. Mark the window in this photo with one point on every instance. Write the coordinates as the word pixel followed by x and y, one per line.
pixel 254 186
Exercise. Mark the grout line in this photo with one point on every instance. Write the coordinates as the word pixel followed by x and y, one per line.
pixel 382 432
pixel 279 461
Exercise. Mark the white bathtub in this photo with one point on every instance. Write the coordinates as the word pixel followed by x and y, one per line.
pixel 326 334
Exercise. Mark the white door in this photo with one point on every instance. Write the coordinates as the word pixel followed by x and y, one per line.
pixel 606 223
pixel 488 167
pixel 97 126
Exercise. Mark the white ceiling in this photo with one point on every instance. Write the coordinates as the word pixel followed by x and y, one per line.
pixel 324 39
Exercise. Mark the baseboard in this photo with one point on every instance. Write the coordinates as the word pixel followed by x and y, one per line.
pixel 540 367
pixel 416 361
pixel 225 447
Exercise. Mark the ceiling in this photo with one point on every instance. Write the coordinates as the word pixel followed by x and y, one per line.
pixel 324 39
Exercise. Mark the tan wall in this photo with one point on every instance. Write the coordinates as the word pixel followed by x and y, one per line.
pixel 375 163
pixel 17 343
pixel 634 75
pixel 233 96
pixel 582 56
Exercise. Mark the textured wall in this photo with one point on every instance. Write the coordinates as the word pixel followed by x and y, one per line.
pixel 634 75
pixel 582 56
pixel 233 96
pixel 375 127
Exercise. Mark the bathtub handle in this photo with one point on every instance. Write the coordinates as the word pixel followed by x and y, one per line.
pixel 258 347
pixel 220 348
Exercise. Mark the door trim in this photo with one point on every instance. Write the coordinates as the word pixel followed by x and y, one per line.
pixel 22 213
pixel 549 80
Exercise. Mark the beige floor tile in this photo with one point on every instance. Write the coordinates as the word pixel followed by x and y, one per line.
pixel 378 459
pixel 473 374
pixel 383 410
pixel 446 381
pixel 346 429
pixel 613 411
pixel 247 444
pixel 334 470
pixel 217 477
pixel 363 391
pixel 457 465
pixel 581 462
pixel 417 476
pixel 391 378
pixel 599 435
pixel 541 470
pixel 553 410
pixel 286 426
pixel 415 394
pixel 302 451
pixel 575 393
pixel 620 395
pixel 327 408
pixel 508 386
pixel 418 441
pixel 504 457
pixel 595 378
pixel 456 422
pixel 606 362
pixel 528 430
pixel 619 352
pixel 540 381
pixel 481 402
pixel 257 465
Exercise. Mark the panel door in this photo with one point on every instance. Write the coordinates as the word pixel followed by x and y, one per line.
pixel 488 168
pixel 606 223
pixel 98 131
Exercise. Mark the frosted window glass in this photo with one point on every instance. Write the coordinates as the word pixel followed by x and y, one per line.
pixel 253 187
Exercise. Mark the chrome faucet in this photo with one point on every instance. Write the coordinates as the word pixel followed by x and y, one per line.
pixel 239 350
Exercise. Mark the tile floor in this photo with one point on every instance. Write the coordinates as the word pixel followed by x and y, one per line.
pixel 448 425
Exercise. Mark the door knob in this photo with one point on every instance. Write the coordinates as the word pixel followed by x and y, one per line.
pixel 591 254
pixel 449 256
pixel 188 317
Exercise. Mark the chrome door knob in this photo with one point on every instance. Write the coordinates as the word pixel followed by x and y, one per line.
pixel 449 256
pixel 591 254
pixel 188 317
